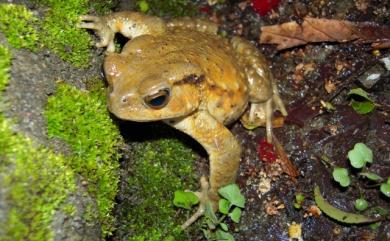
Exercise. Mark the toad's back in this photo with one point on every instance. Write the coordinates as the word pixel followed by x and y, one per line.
pixel 224 89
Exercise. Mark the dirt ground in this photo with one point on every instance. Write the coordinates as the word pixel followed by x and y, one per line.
pixel 306 76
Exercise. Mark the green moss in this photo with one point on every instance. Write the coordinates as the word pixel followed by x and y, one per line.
pixel 160 168
pixel 170 8
pixel 102 7
pixel 17 24
pixel 81 119
pixel 59 31
pixel 37 181
pixel 5 63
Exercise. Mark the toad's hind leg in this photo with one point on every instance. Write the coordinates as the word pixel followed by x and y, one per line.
pixel 263 94
pixel 224 154
pixel 201 25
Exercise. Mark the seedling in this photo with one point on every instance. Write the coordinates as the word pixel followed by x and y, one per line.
pixel 340 175
pixel 385 188
pixel 143 6
pixel 361 204
pixel 359 156
pixel 360 101
pixel 230 205
pixel 185 199
pixel 299 198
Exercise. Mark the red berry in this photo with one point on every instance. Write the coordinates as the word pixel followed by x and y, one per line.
pixel 266 151
pixel 262 7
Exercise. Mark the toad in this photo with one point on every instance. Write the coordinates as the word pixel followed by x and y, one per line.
pixel 183 73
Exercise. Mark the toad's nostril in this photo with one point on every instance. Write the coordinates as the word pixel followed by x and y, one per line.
pixel 124 99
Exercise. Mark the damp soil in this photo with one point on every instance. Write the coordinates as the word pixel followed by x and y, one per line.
pixel 307 76
pixel 310 131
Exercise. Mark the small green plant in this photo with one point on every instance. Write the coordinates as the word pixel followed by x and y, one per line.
pixel 143 6
pixel 361 204
pixel 340 175
pixel 360 101
pixel 185 199
pixel 385 188
pixel 230 205
pixel 299 198
pixel 359 157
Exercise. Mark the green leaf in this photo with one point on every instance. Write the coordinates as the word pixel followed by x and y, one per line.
pixel 366 105
pixel 360 155
pixel 371 176
pixel 185 199
pixel 223 236
pixel 232 193
pixel 235 215
pixel 359 92
pixel 375 226
pixel 338 214
pixel 340 175
pixel 361 204
pixel 362 107
pixel 297 205
pixel 224 226
pixel 385 189
pixel 224 206
pixel 299 197
pixel 143 6
pixel 210 215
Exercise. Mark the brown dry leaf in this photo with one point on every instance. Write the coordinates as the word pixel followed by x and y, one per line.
pixel 292 34
pixel 287 166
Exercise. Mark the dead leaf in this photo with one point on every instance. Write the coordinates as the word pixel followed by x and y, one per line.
pixel 287 166
pixel 292 34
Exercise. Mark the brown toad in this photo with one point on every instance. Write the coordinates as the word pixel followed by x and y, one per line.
pixel 183 73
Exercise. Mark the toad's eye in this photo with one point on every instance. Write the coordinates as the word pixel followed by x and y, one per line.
pixel 158 100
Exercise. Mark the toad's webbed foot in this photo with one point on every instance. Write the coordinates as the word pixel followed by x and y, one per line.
pixel 129 24
pixel 101 28
pixel 206 199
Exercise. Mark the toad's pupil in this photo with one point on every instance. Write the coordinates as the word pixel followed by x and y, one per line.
pixel 158 101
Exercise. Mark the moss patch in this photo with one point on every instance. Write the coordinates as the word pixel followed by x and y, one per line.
pixel 171 8
pixel 59 32
pixel 160 167
pixel 37 181
pixel 5 63
pixel 81 119
pixel 17 23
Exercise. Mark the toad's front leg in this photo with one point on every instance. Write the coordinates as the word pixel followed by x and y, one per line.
pixel 224 154
pixel 129 24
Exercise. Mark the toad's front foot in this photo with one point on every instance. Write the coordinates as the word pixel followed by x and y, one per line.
pixel 207 199
pixel 101 28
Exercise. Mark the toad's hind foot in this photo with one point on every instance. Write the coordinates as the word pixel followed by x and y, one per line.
pixel 260 114
pixel 206 200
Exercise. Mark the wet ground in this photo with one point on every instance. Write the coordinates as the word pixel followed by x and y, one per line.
pixel 306 76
